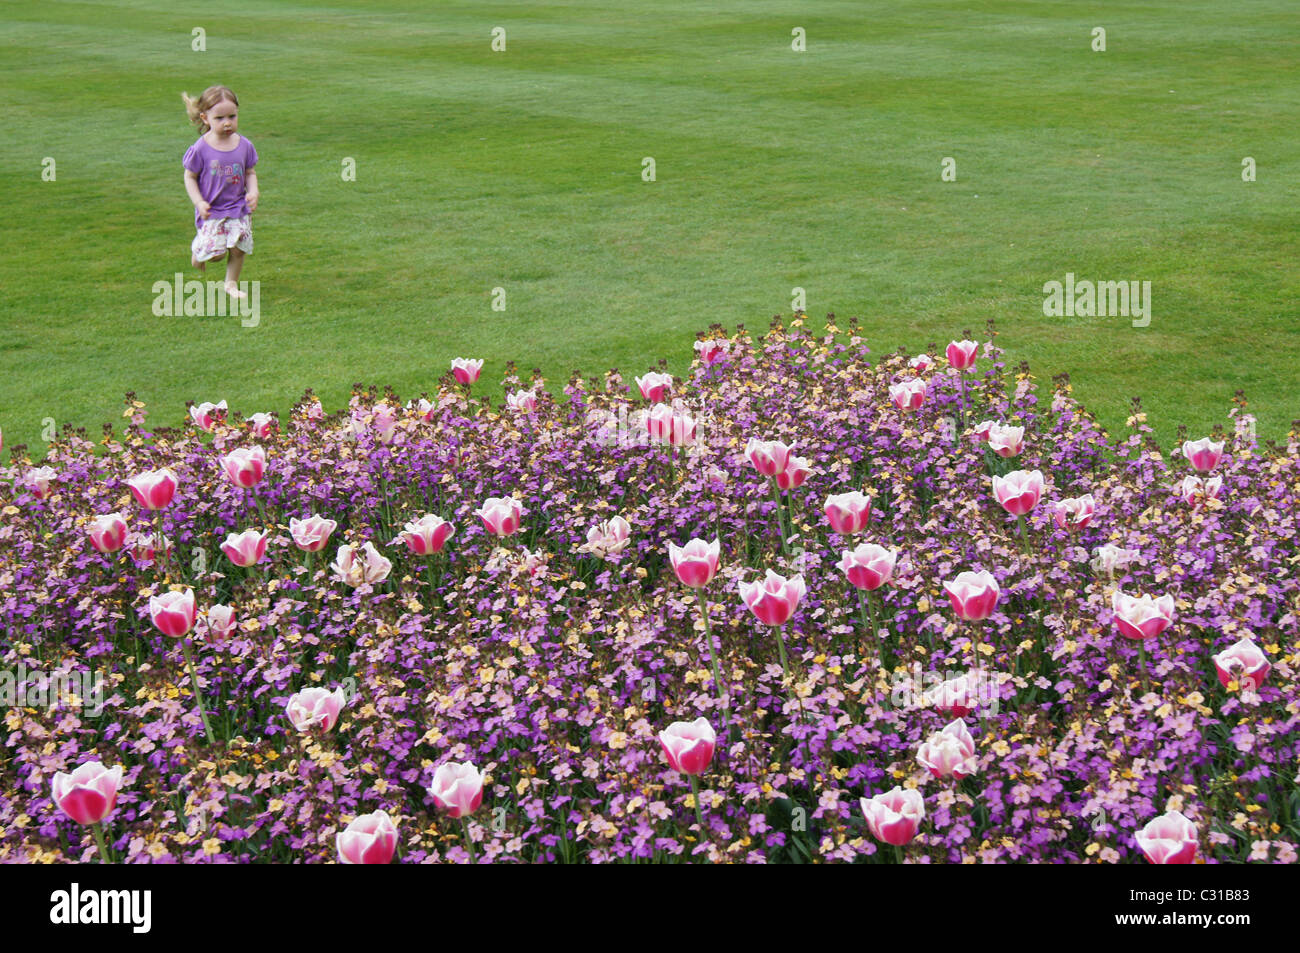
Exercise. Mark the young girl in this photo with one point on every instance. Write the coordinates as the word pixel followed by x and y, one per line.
pixel 221 183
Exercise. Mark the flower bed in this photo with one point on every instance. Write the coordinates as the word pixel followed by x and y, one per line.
pixel 502 649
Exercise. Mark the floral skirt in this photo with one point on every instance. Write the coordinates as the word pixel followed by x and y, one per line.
pixel 218 235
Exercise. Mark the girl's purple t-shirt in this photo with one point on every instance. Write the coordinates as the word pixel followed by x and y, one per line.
pixel 222 177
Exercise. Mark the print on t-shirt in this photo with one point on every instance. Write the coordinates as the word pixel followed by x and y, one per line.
pixel 234 172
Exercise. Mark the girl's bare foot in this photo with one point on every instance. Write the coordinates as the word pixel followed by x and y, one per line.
pixel 232 289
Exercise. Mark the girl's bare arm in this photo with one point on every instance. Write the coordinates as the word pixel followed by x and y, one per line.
pixel 192 187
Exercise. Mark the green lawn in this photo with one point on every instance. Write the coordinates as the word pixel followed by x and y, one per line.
pixel 775 169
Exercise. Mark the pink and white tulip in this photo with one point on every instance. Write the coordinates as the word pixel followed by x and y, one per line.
pixel 1142 617
pixel 108 533
pixel 523 401
pixel 38 481
pixel 219 624
pixel 1019 491
pixel 848 513
pixel 869 566
pixel 153 490
pixel 88 794
pixel 1169 839
pixel 654 386
pixel 608 537
pixel 895 816
pixel 355 565
pixel 457 788
pixel 909 395
pixel 315 708
pixel 774 599
pixel 246 548
pixel 311 534
pixel 425 536
pixel 797 469
pixel 1074 514
pixel 466 370
pixel 369 839
pixel 1243 663
pixel 1204 454
pixel 768 457
pixel 245 467
pixel 688 745
pixel 710 352
pixel 263 425
pixel 206 415
pixel 500 515
pixel 921 363
pixel 173 612
pixel 973 595
pixel 696 563
pixel 950 752
pixel 961 354
pixel 1196 492
pixel 1005 441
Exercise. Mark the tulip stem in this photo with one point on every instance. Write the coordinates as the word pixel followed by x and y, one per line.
pixel 865 606
pixel 1024 536
pixel 780 521
pixel 198 694
pixel 98 831
pixel 1142 658
pixel 261 510
pixel 780 644
pixel 469 841
pixel 695 798
pixel 723 695
pixel 898 853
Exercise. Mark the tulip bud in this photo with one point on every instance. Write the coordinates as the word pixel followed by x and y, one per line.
pixel 696 563
pixel 1169 839
pixel 369 839
pixel 88 794
pixel 894 817
pixel 688 745
pixel 457 788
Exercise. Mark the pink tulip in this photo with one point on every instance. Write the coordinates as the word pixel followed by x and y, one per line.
pixel 206 415
pixel 681 430
pixel 869 566
pixel 608 537
pixel 145 547
pixel 1074 514
pixel 949 752
pixel 173 612
pixel 425 408
pixel 1019 491
pixel 956 697
pixel 313 410
pixel 457 788
pixel 500 515
pixel 1169 839
pixel 88 794
pixel 1142 617
pixel 848 513
pixel 1005 441
pixel 426 536
pixel 1196 492
pixel 768 457
pixel 153 490
pixel 796 471
pixel 710 352
pixel 894 817
pixel 108 533
pixel 245 467
pixel 369 839
pixel 961 354
pixel 659 423
pixel 774 599
pixel 909 395
pixel 983 429
pixel 263 425
pixel 921 363
pixel 973 595
pixel 696 563
pixel 246 548
pixel 315 707
pixel 1243 663
pixel 522 400
pixel 311 534
pixel 1108 558
pixel 355 565
pixel 653 386
pixel 1204 454
pixel 219 624
pixel 688 745
pixel 466 370
pixel 38 481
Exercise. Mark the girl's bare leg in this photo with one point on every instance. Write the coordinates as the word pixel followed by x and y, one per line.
pixel 233 266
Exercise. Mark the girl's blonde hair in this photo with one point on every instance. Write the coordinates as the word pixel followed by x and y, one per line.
pixel 211 96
